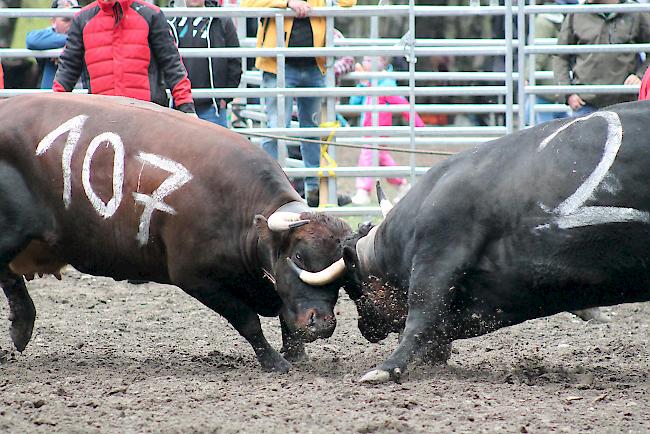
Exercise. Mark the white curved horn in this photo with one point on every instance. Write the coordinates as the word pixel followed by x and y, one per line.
pixel 320 278
pixel 283 221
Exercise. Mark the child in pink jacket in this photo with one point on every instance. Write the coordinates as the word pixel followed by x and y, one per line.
pixel 385 119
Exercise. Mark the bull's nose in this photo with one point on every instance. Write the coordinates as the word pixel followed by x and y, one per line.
pixel 308 318
pixel 315 326
pixel 311 320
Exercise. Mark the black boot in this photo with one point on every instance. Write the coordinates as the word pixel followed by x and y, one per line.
pixel 313 199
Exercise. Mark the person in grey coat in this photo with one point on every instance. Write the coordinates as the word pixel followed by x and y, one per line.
pixel 599 68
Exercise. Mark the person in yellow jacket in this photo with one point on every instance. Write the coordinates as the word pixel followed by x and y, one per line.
pixel 301 31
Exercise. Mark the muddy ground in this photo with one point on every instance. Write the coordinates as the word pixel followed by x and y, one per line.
pixel 113 357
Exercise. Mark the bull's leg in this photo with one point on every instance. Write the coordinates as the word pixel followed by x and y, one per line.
pixel 22 218
pixel 247 323
pixel 431 291
pixel 435 354
pixel 22 312
pixel 293 347
pixel 420 332
pixel 432 354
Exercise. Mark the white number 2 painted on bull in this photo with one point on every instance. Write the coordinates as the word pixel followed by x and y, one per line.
pixel 571 213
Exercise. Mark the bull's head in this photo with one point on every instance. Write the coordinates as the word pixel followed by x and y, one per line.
pixel 302 247
pixel 382 307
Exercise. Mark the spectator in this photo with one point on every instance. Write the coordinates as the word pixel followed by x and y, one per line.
pixel 302 31
pixel 127 49
pixel 215 72
pixel 385 119
pixel 342 66
pixel 601 68
pixel 49 38
pixel 2 78
pixel 548 26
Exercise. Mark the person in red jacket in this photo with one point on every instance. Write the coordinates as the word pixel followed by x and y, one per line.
pixel 124 48
pixel 2 78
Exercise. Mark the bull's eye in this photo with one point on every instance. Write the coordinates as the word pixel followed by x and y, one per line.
pixel 298 256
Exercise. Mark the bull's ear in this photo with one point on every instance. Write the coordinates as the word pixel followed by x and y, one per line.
pixel 263 231
pixel 350 258
pixel 364 228
pixel 353 284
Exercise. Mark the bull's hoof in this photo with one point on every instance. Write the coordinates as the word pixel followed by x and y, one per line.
pixel 21 334
pixel 378 376
pixel 275 364
pixel 22 314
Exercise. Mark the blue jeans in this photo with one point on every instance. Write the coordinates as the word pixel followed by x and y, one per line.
pixel 547 116
pixel 209 113
pixel 583 111
pixel 308 113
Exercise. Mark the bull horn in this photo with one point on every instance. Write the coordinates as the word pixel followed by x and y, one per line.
pixel 320 278
pixel 283 221
pixel 384 203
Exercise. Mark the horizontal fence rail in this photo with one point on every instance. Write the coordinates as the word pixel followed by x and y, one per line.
pixel 504 89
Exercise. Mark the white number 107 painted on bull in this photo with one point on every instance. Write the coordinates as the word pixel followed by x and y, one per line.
pixel 179 174
pixel 571 212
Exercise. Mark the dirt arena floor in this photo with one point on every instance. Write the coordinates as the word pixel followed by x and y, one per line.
pixel 113 357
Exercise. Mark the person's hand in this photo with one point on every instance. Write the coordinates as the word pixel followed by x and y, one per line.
pixel 300 7
pixel 632 79
pixel 575 102
pixel 359 68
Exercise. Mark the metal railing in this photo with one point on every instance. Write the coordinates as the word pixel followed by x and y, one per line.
pixel 509 89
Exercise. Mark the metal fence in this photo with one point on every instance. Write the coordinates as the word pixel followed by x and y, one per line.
pixel 506 114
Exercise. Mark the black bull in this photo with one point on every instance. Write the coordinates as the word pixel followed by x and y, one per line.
pixel 550 219
pixel 130 190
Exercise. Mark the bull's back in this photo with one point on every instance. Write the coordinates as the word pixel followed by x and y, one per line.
pixel 118 176
pixel 599 160
pixel 546 195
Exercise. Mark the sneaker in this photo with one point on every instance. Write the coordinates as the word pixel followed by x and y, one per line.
pixel 362 197
pixel 313 199
pixel 343 199
pixel 402 190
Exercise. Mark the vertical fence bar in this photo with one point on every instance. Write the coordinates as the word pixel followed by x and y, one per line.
pixel 330 115
pixel 412 61
pixel 281 83
pixel 532 66
pixel 508 66
pixel 374 116
pixel 521 63
pixel 242 27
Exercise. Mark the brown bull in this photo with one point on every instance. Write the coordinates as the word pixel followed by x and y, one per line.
pixel 129 190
